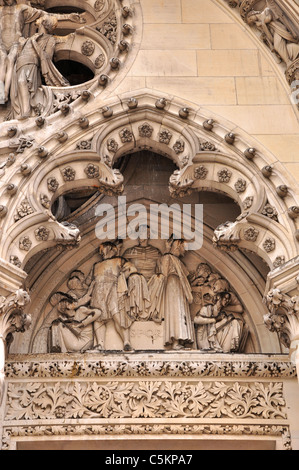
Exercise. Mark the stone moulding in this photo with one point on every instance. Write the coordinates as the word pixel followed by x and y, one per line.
pixel 93 396
pixel 191 364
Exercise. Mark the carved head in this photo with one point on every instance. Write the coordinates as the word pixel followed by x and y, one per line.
pixel 49 23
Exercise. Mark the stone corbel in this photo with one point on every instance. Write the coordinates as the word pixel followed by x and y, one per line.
pixel 12 320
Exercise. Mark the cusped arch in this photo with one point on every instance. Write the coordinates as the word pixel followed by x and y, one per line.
pixel 209 153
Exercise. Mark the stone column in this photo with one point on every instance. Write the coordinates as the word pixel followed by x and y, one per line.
pixel 282 300
pixel 12 319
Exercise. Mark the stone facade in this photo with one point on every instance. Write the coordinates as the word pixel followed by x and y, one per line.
pixel 155 102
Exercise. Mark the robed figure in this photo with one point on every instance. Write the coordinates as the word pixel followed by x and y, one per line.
pixel 177 297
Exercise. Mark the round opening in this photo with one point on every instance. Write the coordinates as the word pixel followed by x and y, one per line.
pixel 69 203
pixel 75 72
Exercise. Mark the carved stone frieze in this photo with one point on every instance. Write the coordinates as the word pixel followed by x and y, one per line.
pixel 233 430
pixel 143 400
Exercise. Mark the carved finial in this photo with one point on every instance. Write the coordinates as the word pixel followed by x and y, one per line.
pixel 107 111
pixel 103 80
pixel 184 113
pixel 250 153
pixel 85 95
pixel 127 29
pixel 12 189
pixel 208 124
pixel 161 103
pixel 115 63
pixel 267 171
pixel 83 122
pixel 42 152
pixel 282 191
pixel 123 46
pixel 132 103
pixel 62 136
pixel 230 138
pixel 25 169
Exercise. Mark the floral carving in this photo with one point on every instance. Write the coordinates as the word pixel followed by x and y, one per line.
pixel 87 48
pixel 92 171
pixel 126 135
pixel 52 184
pixel 99 61
pixel 247 203
pixel 200 172
pixel 23 210
pixel 84 145
pixel 271 212
pixel 240 185
pixel 251 234
pixel 42 234
pixel 148 399
pixel 45 201
pixel 279 261
pixel 165 137
pixel 207 146
pixel 68 174
pixel 224 175
pixel 112 145
pixel 25 243
pixel 15 261
pixel 269 245
pixel 179 146
pixel 145 130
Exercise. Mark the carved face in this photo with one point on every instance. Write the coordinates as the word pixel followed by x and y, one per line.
pixel 220 286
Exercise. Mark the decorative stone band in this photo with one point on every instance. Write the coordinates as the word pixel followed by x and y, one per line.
pixel 192 364
pixel 98 431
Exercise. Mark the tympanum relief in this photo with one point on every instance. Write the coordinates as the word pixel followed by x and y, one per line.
pixel 133 293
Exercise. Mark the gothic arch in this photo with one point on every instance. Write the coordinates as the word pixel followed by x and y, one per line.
pixel 209 153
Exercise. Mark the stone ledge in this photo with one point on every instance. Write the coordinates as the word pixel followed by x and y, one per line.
pixel 189 364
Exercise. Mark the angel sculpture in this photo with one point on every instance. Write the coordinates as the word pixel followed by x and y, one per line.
pixel 35 60
pixel 277 32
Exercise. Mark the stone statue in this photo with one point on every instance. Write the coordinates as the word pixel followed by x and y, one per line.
pixel 208 321
pixel 119 290
pixel 217 312
pixel 177 297
pixel 145 258
pixel 78 327
pixel 275 34
pixel 13 19
pixel 35 60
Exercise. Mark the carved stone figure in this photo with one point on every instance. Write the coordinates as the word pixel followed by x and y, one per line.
pixel 77 325
pixel 14 19
pixel 177 297
pixel 34 61
pixel 275 34
pixel 111 291
pixel 217 313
